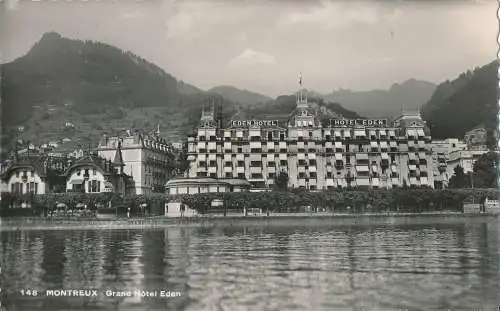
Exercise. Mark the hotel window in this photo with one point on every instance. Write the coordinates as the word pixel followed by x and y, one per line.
pixel 312 174
pixel 312 162
pixel 329 175
pixel 283 162
pixel 241 175
pixel 241 163
pixel 94 172
pixel 229 175
pixel 213 175
pixel 255 164
pixel 302 175
pixel 213 163
pixel 240 150
pixel 202 138
pixel 32 173
pixel 271 175
pixel 256 175
pixel 17 174
pixel 269 135
pixel 228 164
pixel 282 136
pixel 271 164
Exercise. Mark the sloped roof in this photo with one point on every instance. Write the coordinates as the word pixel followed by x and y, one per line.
pixel 34 163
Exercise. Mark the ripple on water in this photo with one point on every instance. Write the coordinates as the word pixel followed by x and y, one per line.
pixel 379 267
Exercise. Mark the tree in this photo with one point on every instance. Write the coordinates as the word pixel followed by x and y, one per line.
pixel 281 181
pixel 485 171
pixel 459 178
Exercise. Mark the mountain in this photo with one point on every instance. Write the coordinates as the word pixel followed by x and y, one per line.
pixel 409 95
pixel 239 96
pixel 101 89
pixel 90 75
pixel 464 103
pixel 187 89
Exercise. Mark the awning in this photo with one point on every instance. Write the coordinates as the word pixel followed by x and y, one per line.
pixel 212 157
pixel 359 133
pixel 312 168
pixel 283 156
pixel 202 157
pixel 329 182
pixel 374 168
pixel 413 180
pixel 362 168
pixel 301 156
pixel 337 133
pixel 107 184
pixel 328 133
pixel 76 182
pixel 311 156
pixel 385 156
pixel 373 144
pixel 393 144
pixel 383 144
pixel 300 133
pixel 240 157
pixel 338 144
pixel 227 133
pixel 338 156
pixel 227 157
pixel 411 143
pixel 421 143
pixel 212 169
pixel 424 181
pixel 421 155
pixel 412 156
pixel 382 133
pixel 412 167
pixel 311 123
pixel 239 134
pixel 302 182
pixel 392 133
pixel 373 133
pixel 191 157
pixel 410 132
pixel 254 132
pixel 420 132
pixel 362 156
pixel 347 133
pixel 395 181
pixel 375 182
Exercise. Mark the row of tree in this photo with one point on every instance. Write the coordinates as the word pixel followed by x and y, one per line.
pixel 483 175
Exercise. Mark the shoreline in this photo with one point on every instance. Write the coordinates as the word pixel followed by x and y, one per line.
pixel 162 222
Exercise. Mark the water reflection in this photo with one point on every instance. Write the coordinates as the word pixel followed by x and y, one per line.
pixel 383 267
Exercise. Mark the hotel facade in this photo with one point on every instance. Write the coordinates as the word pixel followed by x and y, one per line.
pixel 343 153
pixel 147 159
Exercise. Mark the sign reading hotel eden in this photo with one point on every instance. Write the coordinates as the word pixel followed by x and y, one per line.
pixel 253 123
pixel 359 122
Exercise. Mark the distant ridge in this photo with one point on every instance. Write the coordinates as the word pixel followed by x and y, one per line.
pixel 239 96
pixel 409 95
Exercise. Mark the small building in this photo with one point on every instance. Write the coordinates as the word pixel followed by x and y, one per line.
pixel 476 138
pixel 92 174
pixel 30 175
pixel 205 185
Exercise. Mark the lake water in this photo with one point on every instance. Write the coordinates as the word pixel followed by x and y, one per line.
pixel 397 265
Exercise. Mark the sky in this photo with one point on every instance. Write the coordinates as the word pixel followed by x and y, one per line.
pixel 262 45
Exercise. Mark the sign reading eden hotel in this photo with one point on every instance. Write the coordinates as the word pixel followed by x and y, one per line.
pixel 253 123
pixel 359 122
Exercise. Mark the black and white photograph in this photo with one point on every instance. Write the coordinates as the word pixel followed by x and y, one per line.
pixel 245 155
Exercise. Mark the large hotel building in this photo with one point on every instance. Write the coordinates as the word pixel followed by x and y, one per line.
pixel 345 153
